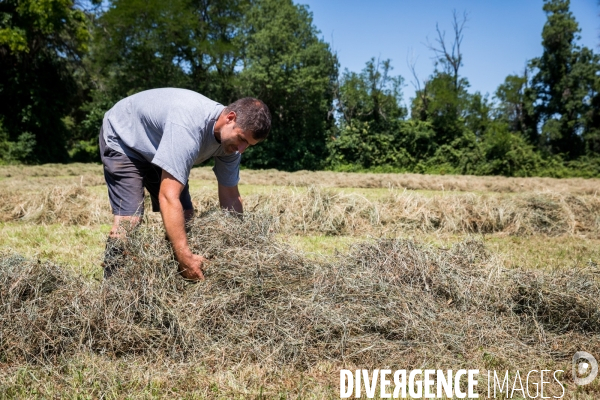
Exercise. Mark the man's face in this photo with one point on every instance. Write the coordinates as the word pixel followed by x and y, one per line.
pixel 234 139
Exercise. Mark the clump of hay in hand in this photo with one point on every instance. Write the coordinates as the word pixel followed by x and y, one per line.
pixel 385 302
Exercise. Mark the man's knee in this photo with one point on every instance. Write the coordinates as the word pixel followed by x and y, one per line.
pixel 124 224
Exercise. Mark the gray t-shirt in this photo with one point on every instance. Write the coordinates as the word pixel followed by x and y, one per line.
pixel 173 129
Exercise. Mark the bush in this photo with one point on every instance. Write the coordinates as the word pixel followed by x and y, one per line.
pixel 15 152
pixel 508 153
pixel 85 151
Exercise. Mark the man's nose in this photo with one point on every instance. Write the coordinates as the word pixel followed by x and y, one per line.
pixel 242 147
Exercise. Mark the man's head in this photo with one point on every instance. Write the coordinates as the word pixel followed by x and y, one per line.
pixel 243 123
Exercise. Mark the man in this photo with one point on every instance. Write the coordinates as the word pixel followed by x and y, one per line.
pixel 152 139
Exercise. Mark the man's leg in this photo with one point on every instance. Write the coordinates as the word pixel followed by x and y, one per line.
pixel 186 203
pixel 152 179
pixel 188 215
pixel 126 195
pixel 123 224
pixel 114 251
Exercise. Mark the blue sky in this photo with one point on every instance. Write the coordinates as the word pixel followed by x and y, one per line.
pixel 499 37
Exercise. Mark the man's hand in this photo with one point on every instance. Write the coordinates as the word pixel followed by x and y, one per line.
pixel 191 268
pixel 190 265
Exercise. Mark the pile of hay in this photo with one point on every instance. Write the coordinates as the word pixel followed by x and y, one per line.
pixel 385 302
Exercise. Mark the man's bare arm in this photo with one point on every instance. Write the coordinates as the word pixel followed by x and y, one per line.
pixel 230 199
pixel 173 218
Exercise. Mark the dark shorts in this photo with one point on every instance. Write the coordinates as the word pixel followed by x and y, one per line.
pixel 126 178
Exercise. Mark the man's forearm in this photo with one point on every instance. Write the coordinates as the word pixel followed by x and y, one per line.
pixel 174 221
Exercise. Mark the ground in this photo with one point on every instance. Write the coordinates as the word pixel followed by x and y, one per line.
pixel 60 213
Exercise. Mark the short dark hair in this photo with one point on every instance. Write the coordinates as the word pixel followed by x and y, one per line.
pixel 252 115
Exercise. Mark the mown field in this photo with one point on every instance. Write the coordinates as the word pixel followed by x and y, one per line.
pixel 327 271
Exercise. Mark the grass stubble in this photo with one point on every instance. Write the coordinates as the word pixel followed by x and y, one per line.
pixel 273 321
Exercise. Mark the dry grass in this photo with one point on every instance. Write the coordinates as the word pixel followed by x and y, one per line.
pixel 91 174
pixel 462 183
pixel 515 252
pixel 323 211
pixel 396 303
pixel 276 319
pixel 334 213
pixel 93 376
pixel 411 182
pixel 69 205
pixel 49 170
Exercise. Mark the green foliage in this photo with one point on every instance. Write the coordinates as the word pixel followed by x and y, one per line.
pixel 359 144
pixel 508 153
pixel 62 67
pixel 40 42
pixel 461 156
pixel 83 143
pixel 516 106
pixel 567 86
pixel 288 67
pixel 373 95
pixel 371 120
pixel 192 44
pixel 444 105
pixel 137 46
pixel 15 151
pixel 85 151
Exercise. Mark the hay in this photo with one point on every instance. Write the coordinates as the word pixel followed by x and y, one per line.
pixel 448 183
pixel 321 211
pixel 68 205
pixel 386 302
pixel 328 212
pixel 91 174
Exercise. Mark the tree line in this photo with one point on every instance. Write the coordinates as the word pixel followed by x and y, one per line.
pixel 64 64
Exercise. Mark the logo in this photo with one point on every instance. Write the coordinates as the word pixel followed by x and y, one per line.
pixel 585 368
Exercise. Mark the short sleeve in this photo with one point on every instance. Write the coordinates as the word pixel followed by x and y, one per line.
pixel 177 151
pixel 227 169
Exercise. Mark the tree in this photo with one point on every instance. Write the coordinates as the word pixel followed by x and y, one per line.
pixel 287 66
pixel 450 56
pixel 41 44
pixel 373 95
pixel 443 99
pixel 516 106
pixel 440 104
pixel 140 45
pixel 144 44
pixel 371 116
pixel 566 85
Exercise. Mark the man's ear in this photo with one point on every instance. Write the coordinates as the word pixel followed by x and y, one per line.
pixel 231 117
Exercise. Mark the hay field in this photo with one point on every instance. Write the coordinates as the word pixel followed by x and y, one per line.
pixel 327 271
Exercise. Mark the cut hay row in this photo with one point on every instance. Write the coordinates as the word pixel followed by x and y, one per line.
pixel 331 213
pixel 91 174
pixel 463 183
pixel 390 303
pixel 328 212
pixel 69 205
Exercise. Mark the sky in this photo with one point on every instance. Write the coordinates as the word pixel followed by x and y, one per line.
pixel 500 36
